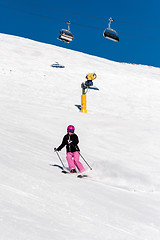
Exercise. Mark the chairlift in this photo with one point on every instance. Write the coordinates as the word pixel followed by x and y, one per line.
pixel 66 35
pixel 110 33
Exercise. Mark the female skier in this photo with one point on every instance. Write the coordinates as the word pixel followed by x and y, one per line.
pixel 70 140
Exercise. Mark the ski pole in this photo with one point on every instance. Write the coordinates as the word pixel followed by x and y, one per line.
pixel 81 156
pixel 85 161
pixel 60 159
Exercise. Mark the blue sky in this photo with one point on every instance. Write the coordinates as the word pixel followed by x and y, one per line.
pixel 137 24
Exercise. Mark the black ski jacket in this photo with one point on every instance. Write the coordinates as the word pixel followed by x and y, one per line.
pixel 70 141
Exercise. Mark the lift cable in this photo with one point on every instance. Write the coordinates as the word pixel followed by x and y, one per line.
pixel 50 18
pixel 54 9
pixel 31 13
pixel 77 24
pixel 140 36
pixel 80 14
pixel 138 24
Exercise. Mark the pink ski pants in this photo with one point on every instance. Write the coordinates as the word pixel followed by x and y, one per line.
pixel 73 161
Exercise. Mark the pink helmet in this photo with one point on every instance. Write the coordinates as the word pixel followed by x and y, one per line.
pixel 71 128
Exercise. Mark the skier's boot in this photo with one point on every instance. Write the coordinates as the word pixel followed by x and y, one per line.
pixel 73 171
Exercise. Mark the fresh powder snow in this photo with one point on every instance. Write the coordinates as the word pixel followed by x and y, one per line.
pixel 119 138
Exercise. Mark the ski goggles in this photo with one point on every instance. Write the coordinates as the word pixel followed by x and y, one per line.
pixel 70 130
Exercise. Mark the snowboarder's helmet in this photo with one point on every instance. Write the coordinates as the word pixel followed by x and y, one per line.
pixel 70 128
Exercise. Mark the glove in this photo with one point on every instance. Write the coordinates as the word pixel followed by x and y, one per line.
pixel 55 149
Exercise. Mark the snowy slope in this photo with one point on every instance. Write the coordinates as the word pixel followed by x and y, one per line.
pixel 119 137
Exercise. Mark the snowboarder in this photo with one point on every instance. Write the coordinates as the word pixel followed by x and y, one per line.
pixel 70 140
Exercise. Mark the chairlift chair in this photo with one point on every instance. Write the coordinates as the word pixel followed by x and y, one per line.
pixel 110 33
pixel 66 35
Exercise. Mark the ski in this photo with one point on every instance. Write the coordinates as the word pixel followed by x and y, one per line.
pixel 79 175
pixel 65 172
pixel 82 176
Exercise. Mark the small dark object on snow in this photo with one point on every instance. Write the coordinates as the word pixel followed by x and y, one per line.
pixel 82 176
pixel 63 171
pixel 57 65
